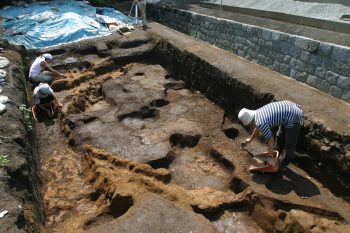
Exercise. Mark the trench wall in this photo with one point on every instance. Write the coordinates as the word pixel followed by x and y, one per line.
pixel 324 66
pixel 20 191
pixel 201 73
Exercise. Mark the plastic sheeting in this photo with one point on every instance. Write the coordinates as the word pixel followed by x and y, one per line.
pixel 45 24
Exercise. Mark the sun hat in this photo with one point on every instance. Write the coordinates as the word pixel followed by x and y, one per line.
pixel 246 115
pixel 44 88
pixel 47 55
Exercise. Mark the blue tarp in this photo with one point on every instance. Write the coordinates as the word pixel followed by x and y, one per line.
pixel 39 25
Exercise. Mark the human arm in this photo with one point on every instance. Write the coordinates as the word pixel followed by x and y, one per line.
pixel 270 145
pixel 58 102
pixel 254 135
pixel 41 106
pixel 47 67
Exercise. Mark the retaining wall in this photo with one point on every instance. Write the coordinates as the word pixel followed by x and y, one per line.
pixel 324 66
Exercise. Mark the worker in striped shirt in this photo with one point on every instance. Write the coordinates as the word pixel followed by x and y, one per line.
pixel 285 114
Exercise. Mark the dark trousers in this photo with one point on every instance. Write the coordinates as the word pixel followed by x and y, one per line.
pixel 287 139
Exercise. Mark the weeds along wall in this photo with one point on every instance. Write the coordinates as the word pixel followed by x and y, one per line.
pixel 324 66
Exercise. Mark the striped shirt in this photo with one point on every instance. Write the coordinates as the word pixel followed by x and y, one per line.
pixel 278 113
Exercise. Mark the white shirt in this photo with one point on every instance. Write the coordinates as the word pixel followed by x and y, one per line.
pixel 36 68
pixel 38 95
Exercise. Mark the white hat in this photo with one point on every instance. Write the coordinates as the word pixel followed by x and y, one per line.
pixel 47 55
pixel 44 88
pixel 246 115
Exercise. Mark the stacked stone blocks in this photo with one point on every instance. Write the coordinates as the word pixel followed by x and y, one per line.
pixel 324 66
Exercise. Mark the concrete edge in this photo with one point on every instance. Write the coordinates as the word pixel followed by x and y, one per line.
pixel 306 21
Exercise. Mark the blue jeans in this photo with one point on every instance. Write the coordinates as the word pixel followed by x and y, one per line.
pixel 287 139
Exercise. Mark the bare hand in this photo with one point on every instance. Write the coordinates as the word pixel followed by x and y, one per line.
pixel 248 140
pixel 49 113
pixel 60 105
pixel 270 162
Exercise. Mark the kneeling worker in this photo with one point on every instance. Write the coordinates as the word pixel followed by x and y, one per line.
pixel 43 95
pixel 40 63
pixel 285 114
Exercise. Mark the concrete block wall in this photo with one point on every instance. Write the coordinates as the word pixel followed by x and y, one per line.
pixel 321 65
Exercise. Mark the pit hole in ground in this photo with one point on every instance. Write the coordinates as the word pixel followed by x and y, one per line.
pixel 56 52
pixel 89 50
pixel 159 103
pixel 145 112
pixel 237 185
pixel 95 195
pixel 231 133
pixel 184 140
pixel 132 44
pixel 163 162
pixel 175 85
pixel 120 204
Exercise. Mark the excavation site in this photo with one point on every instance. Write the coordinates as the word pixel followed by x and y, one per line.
pixel 148 138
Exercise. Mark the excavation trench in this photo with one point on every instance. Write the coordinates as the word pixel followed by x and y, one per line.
pixel 149 131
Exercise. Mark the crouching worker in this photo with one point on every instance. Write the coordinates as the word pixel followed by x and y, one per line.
pixel 285 114
pixel 39 64
pixel 43 95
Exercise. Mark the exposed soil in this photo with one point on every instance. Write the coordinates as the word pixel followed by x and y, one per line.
pixel 148 141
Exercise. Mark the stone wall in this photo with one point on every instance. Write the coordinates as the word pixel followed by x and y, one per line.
pixel 324 66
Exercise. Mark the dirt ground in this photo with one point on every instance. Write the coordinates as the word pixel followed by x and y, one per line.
pixel 148 141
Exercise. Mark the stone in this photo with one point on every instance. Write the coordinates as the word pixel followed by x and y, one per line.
pixel 302 42
pixel 300 66
pixel 321 72
pixel 275 36
pixel 340 53
pixel 336 91
pixel 325 50
pixel 312 80
pixel 313 46
pixel 346 96
pixel 301 76
pixel 266 35
pixel 344 82
pixel 324 86
pixel 305 56
pixel 310 69
pixel 332 77
pixel 316 60
pixel 342 68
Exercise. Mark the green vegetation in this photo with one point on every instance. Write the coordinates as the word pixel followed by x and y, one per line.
pixel 3 159
pixel 193 35
pixel 26 115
